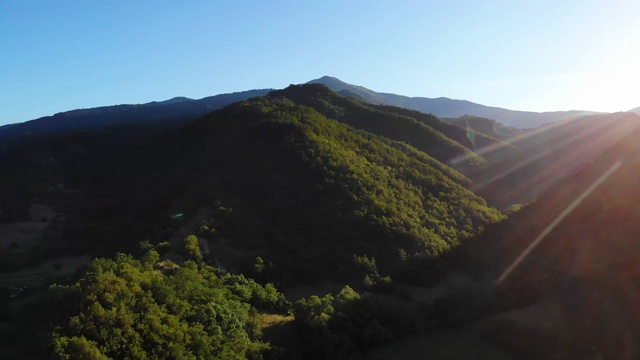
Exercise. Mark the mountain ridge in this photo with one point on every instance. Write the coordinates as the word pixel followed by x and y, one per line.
pixel 453 108
pixel 172 112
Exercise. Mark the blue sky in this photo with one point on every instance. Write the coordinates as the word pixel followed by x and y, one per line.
pixel 523 55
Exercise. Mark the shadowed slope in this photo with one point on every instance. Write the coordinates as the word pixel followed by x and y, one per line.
pixel 588 262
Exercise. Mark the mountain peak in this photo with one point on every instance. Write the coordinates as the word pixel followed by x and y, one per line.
pixel 332 82
pixel 174 100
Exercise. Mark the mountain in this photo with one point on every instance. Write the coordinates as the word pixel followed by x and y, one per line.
pixel 506 165
pixel 444 141
pixel 450 108
pixel 583 268
pixel 379 222
pixel 177 99
pixel 172 112
pixel 308 192
pixel 635 110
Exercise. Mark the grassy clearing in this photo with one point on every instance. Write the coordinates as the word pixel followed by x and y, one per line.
pixel 266 320
pixel 279 330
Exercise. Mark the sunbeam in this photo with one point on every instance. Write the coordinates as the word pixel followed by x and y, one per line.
pixel 557 221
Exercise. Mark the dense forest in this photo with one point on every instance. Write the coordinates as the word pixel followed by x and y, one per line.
pixel 307 224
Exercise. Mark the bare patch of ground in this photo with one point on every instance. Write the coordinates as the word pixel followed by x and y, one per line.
pixel 267 320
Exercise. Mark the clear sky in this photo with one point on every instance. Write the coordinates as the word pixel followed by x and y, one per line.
pixel 533 55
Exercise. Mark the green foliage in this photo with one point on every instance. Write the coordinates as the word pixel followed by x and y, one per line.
pixel 395 189
pixel 162 247
pixel 78 348
pixel 192 248
pixel 207 232
pixel 372 277
pixel 264 297
pixel 308 191
pixel 129 310
pixel 422 131
pixel 345 325
pixel 259 266
pixel 514 208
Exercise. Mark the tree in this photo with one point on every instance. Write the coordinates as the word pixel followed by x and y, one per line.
pixel 192 248
pixel 129 310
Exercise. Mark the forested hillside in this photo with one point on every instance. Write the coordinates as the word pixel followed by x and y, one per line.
pixel 309 193
pixel 363 215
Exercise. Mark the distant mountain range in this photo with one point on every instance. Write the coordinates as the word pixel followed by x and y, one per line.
pixel 172 112
pixel 181 110
pixel 451 108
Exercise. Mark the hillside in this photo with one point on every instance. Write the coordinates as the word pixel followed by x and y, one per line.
pixel 451 108
pixel 584 267
pixel 305 189
pixel 443 141
pixel 372 219
pixel 302 187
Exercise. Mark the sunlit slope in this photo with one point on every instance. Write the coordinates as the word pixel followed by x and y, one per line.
pixel 306 191
pixel 589 261
pixel 441 140
pixel 310 192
